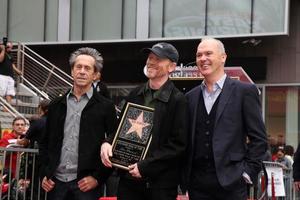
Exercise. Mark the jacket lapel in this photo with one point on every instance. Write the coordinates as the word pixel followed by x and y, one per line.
pixel 62 115
pixel 93 100
pixel 194 108
pixel 224 97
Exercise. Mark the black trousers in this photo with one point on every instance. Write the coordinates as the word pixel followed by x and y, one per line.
pixel 70 190
pixel 139 190
pixel 205 186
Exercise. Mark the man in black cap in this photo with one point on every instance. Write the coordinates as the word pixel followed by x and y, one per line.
pixel 157 176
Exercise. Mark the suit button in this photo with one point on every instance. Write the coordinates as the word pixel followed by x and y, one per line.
pixel 207 144
pixel 206 157
pixel 207 122
pixel 207 133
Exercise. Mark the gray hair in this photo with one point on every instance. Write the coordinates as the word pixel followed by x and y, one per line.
pixel 219 43
pixel 90 52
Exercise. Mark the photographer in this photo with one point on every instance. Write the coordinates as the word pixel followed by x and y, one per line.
pixel 7 69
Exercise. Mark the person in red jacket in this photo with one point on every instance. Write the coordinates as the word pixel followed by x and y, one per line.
pixel 18 127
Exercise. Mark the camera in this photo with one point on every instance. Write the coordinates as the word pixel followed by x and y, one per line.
pixel 4 41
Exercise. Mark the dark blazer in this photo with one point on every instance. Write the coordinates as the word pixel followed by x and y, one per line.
pixel 97 118
pixel 161 167
pixel 36 130
pixel 238 117
pixel 296 165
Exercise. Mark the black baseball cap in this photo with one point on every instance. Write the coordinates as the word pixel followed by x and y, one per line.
pixel 164 50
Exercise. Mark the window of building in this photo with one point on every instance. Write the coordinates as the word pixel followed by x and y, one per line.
pixel 217 18
pixel 183 18
pixel 282 115
pixel 228 17
pixel 25 20
pixel 103 20
pixel 76 20
pixel 269 17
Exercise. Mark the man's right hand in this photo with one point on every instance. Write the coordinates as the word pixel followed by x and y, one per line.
pixel 106 153
pixel 24 142
pixel 297 185
pixel 2 47
pixel 47 184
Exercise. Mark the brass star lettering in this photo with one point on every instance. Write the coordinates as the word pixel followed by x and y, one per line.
pixel 137 125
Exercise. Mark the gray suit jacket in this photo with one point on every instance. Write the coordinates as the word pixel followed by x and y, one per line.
pixel 238 117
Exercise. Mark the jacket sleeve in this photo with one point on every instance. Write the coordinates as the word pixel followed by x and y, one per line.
pixel 43 156
pixel 257 145
pixel 171 151
pixel 43 149
pixel 110 126
pixel 33 130
pixel 296 165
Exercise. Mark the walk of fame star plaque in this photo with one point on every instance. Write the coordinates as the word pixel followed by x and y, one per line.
pixel 133 136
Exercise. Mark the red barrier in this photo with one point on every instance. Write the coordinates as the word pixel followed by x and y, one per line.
pixel 182 197
pixel 179 197
pixel 263 183
pixel 273 187
pixel 108 198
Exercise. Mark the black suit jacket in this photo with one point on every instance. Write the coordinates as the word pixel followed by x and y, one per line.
pixel 238 117
pixel 296 165
pixel 98 118
pixel 36 130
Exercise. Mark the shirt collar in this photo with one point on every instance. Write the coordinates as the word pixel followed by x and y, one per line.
pixel 163 93
pixel 89 93
pixel 218 84
pixel 155 92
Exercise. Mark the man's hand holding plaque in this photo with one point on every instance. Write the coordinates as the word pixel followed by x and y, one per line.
pixel 106 153
pixel 134 171
pixel 132 140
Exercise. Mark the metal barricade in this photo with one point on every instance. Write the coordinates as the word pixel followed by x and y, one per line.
pixel 19 178
pixel 19 174
pixel 280 183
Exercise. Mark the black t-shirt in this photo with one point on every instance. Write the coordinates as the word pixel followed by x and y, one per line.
pixel 6 67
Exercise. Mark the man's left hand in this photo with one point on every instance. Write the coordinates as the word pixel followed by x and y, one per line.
pixel 87 183
pixel 134 171
pixel 297 185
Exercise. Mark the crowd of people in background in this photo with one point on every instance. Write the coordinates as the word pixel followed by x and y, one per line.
pixel 280 151
pixel 22 135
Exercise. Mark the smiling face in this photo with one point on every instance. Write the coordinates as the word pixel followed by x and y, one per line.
pixel 158 68
pixel 210 59
pixel 84 72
